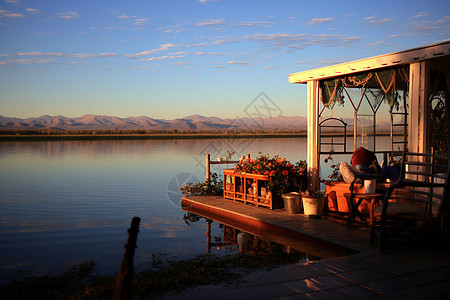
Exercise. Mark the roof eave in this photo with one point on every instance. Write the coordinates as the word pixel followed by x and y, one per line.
pixel 371 63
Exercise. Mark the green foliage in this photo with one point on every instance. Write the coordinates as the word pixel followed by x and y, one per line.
pixel 213 187
pixel 72 284
pixel 335 175
pixel 152 282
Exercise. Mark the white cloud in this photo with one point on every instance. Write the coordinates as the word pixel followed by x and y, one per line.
pixel 181 63
pixel 380 21
pixel 85 55
pixel 31 61
pixel 197 45
pixel 6 13
pixel 162 47
pixel 12 2
pixel 33 10
pixel 69 15
pixel 206 1
pixel 292 41
pixel 142 22
pixel 240 63
pixel 210 53
pixel 320 20
pixel 156 58
pixel 421 14
pixel 374 44
pixel 39 54
pixel 400 35
pixel 255 23
pixel 211 22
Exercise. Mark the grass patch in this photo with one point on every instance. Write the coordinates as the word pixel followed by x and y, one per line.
pixel 80 282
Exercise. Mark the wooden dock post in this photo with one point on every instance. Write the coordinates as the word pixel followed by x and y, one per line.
pixel 122 290
pixel 207 167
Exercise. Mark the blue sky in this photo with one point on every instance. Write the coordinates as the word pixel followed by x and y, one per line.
pixel 169 59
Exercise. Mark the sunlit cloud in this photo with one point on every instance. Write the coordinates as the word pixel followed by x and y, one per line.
pixel 211 22
pixel 207 1
pixel 12 2
pixel 33 10
pixel 69 15
pixel 181 63
pixel 374 44
pixel 380 21
pixel 255 23
pixel 28 61
pixel 8 14
pixel 239 63
pixel 400 35
pixel 85 55
pixel 142 22
pixel 210 53
pixel 156 58
pixel 163 47
pixel 320 20
pixel 271 67
pixel 78 55
pixel 421 14
pixel 39 54
pixel 198 45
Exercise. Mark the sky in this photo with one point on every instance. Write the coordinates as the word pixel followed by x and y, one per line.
pixel 174 58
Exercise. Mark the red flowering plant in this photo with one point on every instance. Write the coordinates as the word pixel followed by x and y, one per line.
pixel 284 176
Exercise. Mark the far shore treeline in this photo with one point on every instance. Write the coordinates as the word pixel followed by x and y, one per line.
pixel 55 134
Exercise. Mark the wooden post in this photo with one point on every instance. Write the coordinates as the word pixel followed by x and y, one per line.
pixel 313 150
pixel 122 289
pixel 208 235
pixel 207 167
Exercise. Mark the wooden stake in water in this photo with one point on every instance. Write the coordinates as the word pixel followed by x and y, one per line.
pixel 122 289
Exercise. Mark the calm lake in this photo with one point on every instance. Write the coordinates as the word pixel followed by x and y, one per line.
pixel 65 202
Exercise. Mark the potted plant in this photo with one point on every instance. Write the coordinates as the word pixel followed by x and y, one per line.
pixel 313 203
pixel 284 176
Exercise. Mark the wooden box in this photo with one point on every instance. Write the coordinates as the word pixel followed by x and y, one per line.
pixel 249 189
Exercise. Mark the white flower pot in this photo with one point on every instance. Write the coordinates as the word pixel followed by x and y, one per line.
pixel 370 186
pixel 313 206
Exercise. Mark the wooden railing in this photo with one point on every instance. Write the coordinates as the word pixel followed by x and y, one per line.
pixel 210 162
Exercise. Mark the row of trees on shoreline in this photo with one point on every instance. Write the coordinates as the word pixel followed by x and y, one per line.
pixel 142 132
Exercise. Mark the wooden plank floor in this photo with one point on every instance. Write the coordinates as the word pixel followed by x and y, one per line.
pixel 403 273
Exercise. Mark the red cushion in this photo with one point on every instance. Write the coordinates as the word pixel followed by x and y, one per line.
pixel 362 156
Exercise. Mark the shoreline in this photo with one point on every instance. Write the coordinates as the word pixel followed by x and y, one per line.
pixel 77 137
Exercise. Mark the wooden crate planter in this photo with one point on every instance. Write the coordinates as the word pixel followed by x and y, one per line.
pixel 249 189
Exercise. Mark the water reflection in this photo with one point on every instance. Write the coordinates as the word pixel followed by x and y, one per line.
pixel 66 202
pixel 226 239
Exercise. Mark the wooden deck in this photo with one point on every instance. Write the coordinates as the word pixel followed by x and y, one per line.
pixel 349 269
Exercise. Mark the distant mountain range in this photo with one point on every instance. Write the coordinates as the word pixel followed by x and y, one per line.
pixel 193 122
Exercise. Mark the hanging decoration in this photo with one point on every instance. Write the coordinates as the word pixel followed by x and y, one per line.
pixel 387 81
pixel 330 91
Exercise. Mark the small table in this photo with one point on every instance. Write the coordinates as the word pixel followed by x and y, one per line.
pixel 354 205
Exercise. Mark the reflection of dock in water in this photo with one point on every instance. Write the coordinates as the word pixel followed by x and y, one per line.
pixel 315 238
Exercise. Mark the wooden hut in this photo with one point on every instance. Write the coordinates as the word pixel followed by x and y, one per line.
pixel 410 89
